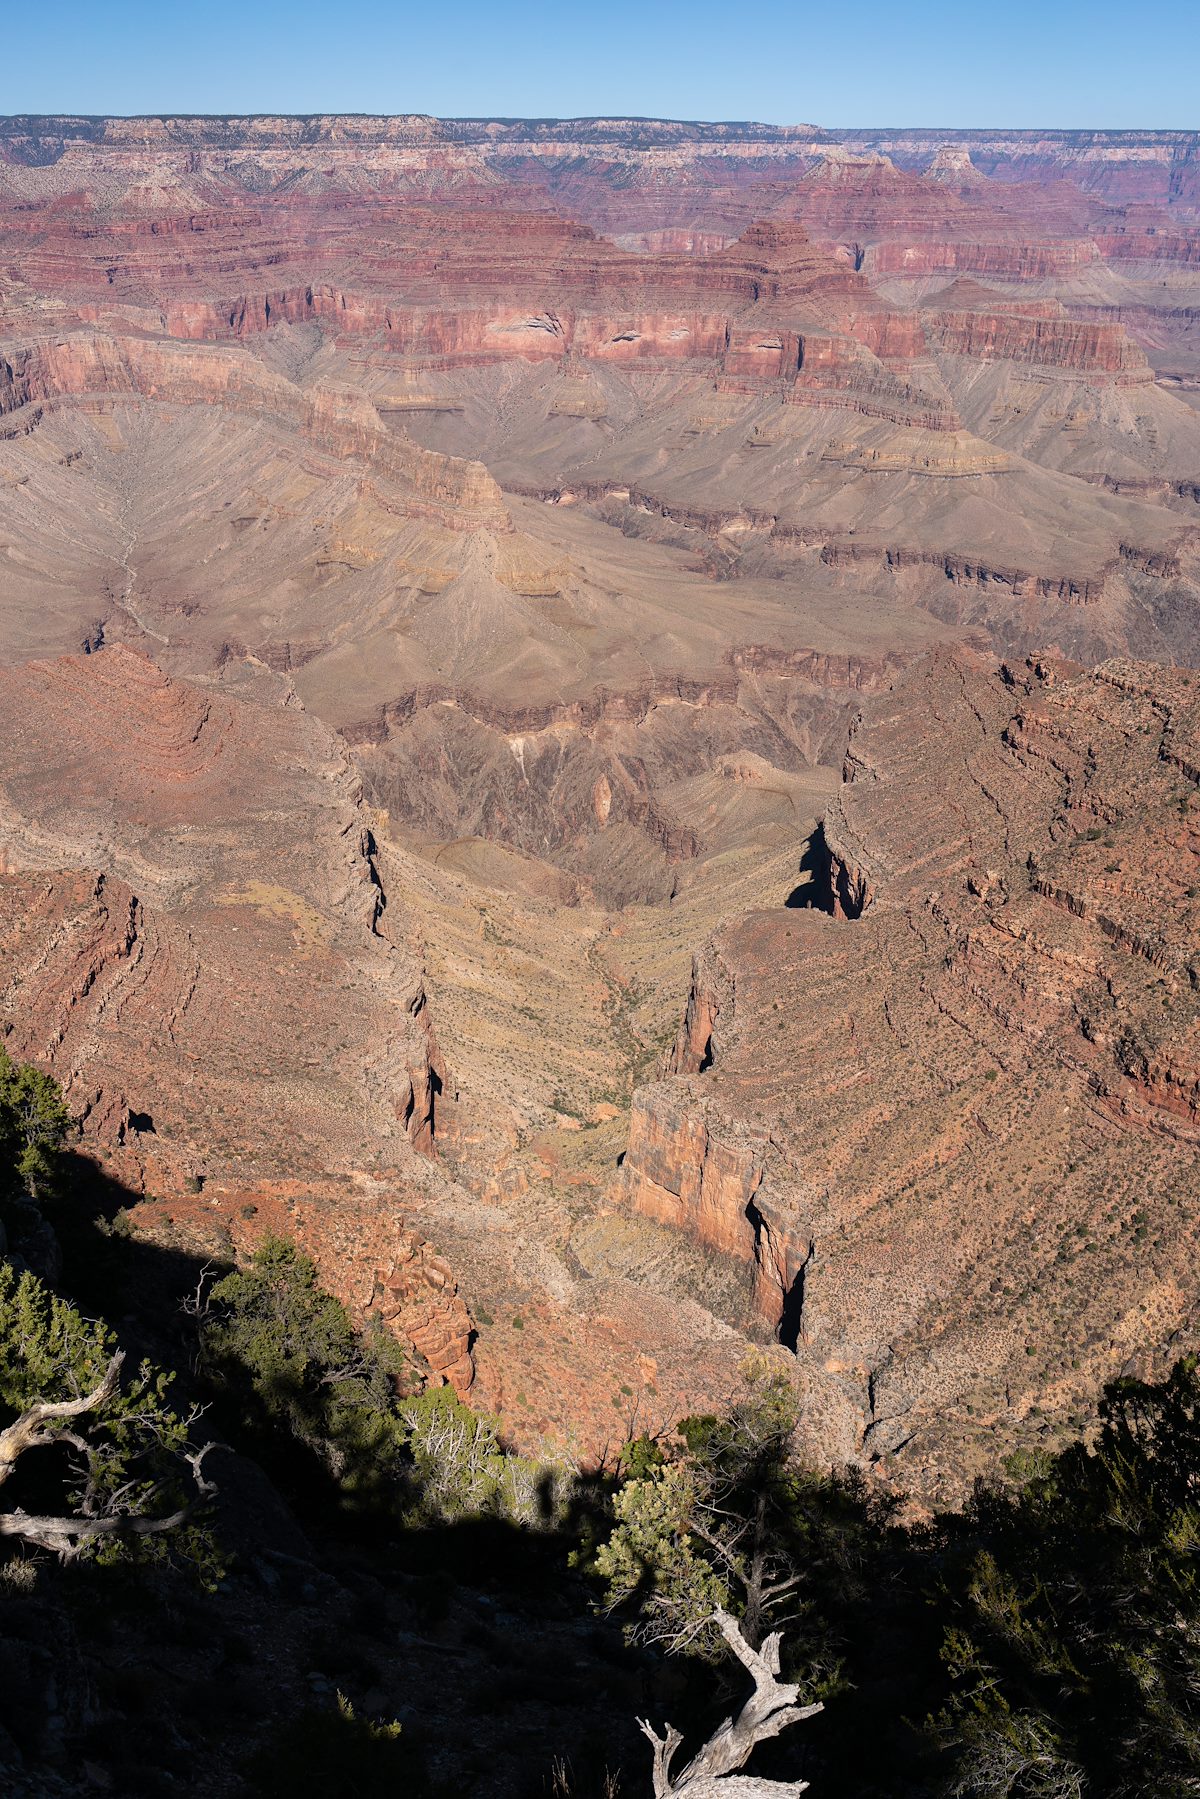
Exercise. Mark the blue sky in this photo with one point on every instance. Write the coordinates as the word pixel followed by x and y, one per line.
pixel 928 62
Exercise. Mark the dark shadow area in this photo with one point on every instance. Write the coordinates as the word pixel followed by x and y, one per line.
pixel 758 1225
pixel 335 1619
pixel 787 1328
pixel 351 1644
pixel 792 1316
pixel 815 893
pixel 111 1272
pixel 476 1635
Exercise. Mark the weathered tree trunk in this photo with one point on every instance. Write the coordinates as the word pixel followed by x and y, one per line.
pixel 48 1421
pixel 770 1709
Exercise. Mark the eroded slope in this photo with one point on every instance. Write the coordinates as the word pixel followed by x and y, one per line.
pixel 952 1127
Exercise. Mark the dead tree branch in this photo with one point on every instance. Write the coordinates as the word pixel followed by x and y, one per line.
pixel 47 1422
pixel 32 1429
pixel 67 1536
pixel 770 1709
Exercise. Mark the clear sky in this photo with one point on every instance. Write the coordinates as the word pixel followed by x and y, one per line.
pixel 923 62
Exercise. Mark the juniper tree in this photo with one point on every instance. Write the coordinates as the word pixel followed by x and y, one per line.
pixel 729 1519
pixel 104 1461
pixel 33 1125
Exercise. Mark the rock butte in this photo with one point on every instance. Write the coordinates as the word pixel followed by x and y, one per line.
pixel 459 577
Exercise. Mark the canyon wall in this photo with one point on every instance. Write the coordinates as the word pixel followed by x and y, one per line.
pixel 948 1118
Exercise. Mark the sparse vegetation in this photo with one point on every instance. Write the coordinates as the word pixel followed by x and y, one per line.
pixel 1047 1635
pixel 92 1463
pixel 287 1361
pixel 330 1749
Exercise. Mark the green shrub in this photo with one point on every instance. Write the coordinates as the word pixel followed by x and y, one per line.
pixel 288 1361
pixel 1074 1641
pixel 33 1126
pixel 331 1753
pixel 460 1469
pixel 286 1356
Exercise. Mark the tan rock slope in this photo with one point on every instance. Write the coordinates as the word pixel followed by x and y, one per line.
pixel 193 938
pixel 950 1124
pixel 201 938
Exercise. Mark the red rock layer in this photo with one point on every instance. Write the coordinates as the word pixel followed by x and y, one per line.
pixel 993 261
pixel 227 962
pixel 365 1254
pixel 442 287
pixel 1054 342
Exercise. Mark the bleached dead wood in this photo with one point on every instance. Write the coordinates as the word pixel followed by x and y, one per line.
pixel 47 1422
pixel 770 1709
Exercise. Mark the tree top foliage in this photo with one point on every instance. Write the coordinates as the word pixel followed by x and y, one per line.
pixel 33 1125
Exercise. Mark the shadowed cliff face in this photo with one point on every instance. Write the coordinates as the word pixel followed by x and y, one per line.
pixel 447 568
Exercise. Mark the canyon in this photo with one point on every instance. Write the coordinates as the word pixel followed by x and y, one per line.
pixel 599 726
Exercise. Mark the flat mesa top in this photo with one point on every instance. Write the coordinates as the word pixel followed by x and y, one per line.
pixel 387 127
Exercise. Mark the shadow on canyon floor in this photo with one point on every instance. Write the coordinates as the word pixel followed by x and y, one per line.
pixel 335 1620
pixel 814 890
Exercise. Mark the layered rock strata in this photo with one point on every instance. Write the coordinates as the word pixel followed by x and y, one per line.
pixel 948 1118
pixel 233 930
